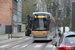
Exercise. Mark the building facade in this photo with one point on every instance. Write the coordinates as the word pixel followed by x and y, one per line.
pixel 9 16
pixel 19 6
pixel 14 15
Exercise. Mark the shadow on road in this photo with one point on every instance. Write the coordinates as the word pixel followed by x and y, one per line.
pixel 42 41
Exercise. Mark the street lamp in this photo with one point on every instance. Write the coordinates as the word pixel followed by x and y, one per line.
pixel 64 18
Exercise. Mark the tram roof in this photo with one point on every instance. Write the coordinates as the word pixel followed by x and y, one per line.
pixel 44 13
pixel 41 13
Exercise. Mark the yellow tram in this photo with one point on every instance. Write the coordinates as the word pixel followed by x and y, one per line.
pixel 43 26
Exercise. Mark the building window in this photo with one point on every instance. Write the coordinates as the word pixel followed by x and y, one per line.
pixel 19 13
pixel 19 3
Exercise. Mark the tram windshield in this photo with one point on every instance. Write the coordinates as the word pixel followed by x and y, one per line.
pixel 40 24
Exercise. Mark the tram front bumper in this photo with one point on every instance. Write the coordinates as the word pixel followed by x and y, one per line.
pixel 40 37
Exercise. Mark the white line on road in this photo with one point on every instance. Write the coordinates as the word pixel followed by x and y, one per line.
pixel 20 38
pixel 50 46
pixel 4 46
pixel 27 38
pixel 24 45
pixel 16 46
pixel 37 45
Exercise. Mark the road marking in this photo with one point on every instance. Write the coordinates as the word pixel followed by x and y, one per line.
pixel 50 46
pixel 20 38
pixel 24 45
pixel 27 38
pixel 16 46
pixel 4 46
pixel 37 45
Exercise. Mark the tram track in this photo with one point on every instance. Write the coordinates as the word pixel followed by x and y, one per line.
pixel 18 43
pixel 27 46
pixel 44 46
pixel 13 41
pixel 24 44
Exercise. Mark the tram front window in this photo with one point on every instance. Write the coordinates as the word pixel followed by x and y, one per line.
pixel 40 24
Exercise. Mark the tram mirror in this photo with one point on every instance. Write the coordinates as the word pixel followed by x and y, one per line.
pixel 30 22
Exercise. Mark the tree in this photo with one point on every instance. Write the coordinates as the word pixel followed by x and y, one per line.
pixel 27 8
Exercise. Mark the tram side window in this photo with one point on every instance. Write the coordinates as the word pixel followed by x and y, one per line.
pixel 51 26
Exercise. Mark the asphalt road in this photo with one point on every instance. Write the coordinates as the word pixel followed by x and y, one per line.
pixel 26 43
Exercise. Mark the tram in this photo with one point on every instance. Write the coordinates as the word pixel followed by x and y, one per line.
pixel 43 26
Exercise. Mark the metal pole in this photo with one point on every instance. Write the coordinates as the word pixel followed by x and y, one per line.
pixel 64 18
pixel 8 35
pixel 11 35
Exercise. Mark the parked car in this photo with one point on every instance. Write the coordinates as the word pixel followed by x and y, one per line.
pixel 66 42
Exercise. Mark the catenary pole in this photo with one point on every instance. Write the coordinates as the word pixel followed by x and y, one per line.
pixel 64 18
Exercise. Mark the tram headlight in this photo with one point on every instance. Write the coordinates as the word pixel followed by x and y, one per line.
pixel 33 32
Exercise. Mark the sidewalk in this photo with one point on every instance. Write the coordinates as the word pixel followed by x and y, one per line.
pixel 14 35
